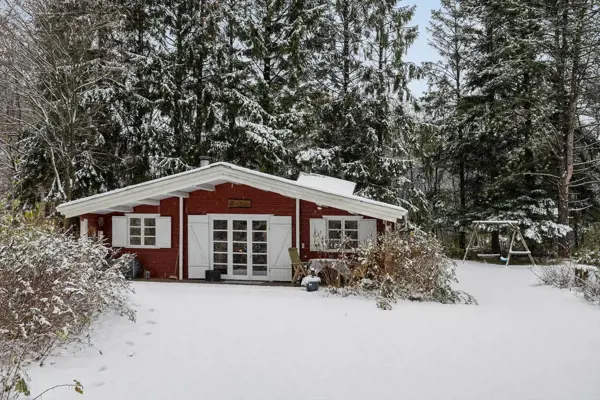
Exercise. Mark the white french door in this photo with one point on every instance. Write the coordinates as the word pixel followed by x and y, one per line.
pixel 239 247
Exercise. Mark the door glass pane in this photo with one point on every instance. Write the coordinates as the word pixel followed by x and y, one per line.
pixel 240 225
pixel 259 225
pixel 220 224
pixel 259 259
pixel 240 258
pixel 240 247
pixel 259 236
pixel 240 269
pixel 135 231
pixel 135 222
pixel 220 247
pixel 259 248
pixel 220 258
pixel 220 236
pixel 135 240
pixel 240 236
pixel 149 241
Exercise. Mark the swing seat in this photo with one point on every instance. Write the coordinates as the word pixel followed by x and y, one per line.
pixel 520 253
pixel 488 255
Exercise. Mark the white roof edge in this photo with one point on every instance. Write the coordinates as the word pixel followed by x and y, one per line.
pixel 230 172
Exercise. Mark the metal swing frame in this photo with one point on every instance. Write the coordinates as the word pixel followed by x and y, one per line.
pixel 516 234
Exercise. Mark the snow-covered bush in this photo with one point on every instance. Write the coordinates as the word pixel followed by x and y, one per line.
pixel 409 268
pixel 584 279
pixel 52 287
pixel 560 276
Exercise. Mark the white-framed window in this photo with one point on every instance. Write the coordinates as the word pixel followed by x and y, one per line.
pixel 141 230
pixel 340 227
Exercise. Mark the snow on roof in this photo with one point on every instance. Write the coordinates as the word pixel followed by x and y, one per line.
pixel 327 183
pixel 181 184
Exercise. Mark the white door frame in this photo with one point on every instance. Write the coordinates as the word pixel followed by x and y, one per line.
pixel 230 218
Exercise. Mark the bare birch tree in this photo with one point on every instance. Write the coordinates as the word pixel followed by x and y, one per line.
pixel 57 65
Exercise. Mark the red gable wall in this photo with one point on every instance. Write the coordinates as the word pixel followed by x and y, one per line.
pixel 163 262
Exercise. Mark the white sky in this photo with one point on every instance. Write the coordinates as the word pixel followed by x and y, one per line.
pixel 420 51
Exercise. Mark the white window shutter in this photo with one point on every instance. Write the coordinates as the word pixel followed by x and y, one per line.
pixel 318 233
pixel 84 228
pixel 280 241
pixel 163 232
pixel 367 230
pixel 198 246
pixel 119 232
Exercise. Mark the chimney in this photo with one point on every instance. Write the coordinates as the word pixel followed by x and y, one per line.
pixel 204 161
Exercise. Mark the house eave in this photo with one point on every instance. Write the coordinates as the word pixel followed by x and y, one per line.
pixel 222 171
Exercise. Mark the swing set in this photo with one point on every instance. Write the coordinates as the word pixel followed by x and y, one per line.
pixel 478 242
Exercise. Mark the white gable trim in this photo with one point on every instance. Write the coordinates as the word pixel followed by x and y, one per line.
pixel 234 174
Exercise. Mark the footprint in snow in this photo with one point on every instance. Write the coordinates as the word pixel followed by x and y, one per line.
pixel 148 333
pixel 129 343
pixel 131 354
pixel 152 322
pixel 103 368
pixel 98 384
pixel 151 310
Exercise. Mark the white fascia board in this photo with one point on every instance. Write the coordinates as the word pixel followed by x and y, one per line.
pixel 137 192
pixel 234 174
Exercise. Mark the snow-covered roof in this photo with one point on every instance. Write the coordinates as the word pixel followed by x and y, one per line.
pixel 204 178
pixel 327 183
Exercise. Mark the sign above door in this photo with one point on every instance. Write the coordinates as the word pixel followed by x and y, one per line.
pixel 239 203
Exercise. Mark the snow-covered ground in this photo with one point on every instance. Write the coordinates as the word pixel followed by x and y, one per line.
pixel 196 341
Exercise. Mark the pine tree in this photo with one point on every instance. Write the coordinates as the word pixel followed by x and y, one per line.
pixel 446 129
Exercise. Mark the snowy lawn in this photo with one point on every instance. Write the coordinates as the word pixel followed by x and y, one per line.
pixel 197 341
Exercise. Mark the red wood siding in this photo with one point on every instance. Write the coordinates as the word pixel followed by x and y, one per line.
pixel 163 262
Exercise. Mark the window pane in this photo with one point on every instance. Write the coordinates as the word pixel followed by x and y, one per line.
pixel 259 236
pixel 220 236
pixel 220 224
pixel 149 221
pixel 240 258
pixel 240 225
pixel 221 268
pixel 259 225
pixel 259 248
pixel 135 231
pixel 259 259
pixel 149 241
pixel 240 248
pixel 220 258
pixel 335 224
pixel 352 234
pixel 334 244
pixel 149 231
pixel 240 270
pixel 351 224
pixel 135 222
pixel 135 240
pixel 220 246
pixel 240 236
pixel 259 270
pixel 335 234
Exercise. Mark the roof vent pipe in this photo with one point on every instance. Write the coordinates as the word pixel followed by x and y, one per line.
pixel 204 161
